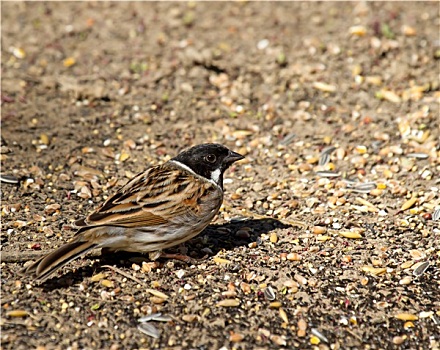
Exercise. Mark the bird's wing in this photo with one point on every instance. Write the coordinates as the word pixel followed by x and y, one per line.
pixel 154 197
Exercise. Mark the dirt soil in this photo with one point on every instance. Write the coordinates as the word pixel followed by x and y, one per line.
pixel 329 235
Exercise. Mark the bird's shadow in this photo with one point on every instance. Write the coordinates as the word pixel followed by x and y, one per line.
pixel 212 240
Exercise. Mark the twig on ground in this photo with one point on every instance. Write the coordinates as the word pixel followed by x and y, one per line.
pixel 18 256
pixel 125 274
pixel 21 256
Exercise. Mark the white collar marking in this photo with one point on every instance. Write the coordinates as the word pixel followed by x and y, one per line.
pixel 215 175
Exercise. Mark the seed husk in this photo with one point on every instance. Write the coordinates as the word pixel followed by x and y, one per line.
pixel 409 203
pixel 269 293
pixel 420 268
pixel 149 329
pixel 317 230
pixel 374 270
pixel 190 318
pixel 228 303
pixel 319 335
pixel 287 139
pixel 406 316
pixel 236 337
pixel 17 313
pixel 107 283
pixel 436 215
pixel 350 234
pixel 220 261
pixel 157 293
pixel 283 315
pixel 418 155
pixel 149 317
pixel 328 174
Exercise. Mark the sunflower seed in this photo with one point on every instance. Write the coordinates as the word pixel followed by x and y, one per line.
pixel 319 335
pixel 149 317
pixel 327 174
pixel 149 330
pixel 436 215
pixel 239 219
pixel 417 155
pixel 364 188
pixel 162 318
pixel 287 139
pixel 350 183
pixel 421 269
pixel 325 155
pixel 328 150
pixel 269 293
pixel 376 145
pixel 9 179
pixel 324 159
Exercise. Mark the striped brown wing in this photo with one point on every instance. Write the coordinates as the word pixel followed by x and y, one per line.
pixel 157 196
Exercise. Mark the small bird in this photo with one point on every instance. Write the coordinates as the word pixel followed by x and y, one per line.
pixel 159 208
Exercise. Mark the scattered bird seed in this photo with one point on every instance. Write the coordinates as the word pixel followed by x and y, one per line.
pixel 325 155
pixel 239 219
pixel 417 155
pixel 17 313
pixel 9 179
pixel 362 188
pixel 162 318
pixel 283 316
pixel 287 139
pixel 327 174
pixel 319 335
pixel 149 329
pixel 269 293
pixel 157 293
pixel 406 316
pixel 436 215
pixel 420 270
pixel 324 159
pixel 228 303
pixel 149 317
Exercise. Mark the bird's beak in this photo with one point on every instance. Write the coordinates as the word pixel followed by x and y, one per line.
pixel 233 157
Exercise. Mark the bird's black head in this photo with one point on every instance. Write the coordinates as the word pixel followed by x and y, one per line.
pixel 209 160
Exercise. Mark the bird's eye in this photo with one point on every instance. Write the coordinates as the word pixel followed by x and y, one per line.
pixel 211 158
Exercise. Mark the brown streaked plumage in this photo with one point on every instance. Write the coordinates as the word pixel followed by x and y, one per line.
pixel 159 208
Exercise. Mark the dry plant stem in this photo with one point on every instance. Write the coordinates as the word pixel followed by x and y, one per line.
pixel 115 269
pixel 20 256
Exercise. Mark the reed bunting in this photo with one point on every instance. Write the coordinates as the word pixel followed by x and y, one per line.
pixel 159 208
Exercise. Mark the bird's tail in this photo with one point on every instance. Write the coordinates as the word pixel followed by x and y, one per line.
pixel 43 268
